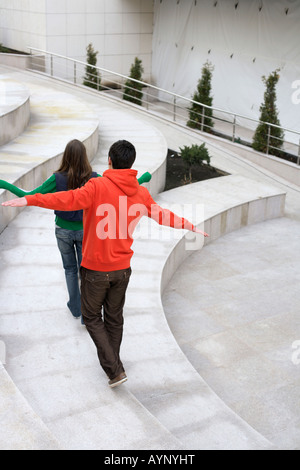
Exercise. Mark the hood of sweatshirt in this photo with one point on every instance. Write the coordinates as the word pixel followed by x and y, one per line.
pixel 125 180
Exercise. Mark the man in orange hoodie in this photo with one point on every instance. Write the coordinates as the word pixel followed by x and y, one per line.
pixel 112 207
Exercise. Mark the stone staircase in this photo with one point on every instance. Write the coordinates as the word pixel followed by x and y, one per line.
pixel 53 393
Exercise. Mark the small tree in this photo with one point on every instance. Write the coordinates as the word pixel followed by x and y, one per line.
pixel 195 155
pixel 200 117
pixel 269 138
pixel 133 90
pixel 92 77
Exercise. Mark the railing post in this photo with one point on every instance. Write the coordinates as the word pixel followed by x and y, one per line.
pixel 268 140
pixel 202 118
pixel 51 65
pixel 233 128
pixel 75 78
pixel 174 109
pixel 298 159
pixel 98 80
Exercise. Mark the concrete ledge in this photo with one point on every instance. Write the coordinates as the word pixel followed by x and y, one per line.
pixel 34 155
pixel 23 61
pixel 36 176
pixel 283 168
pixel 14 109
pixel 247 202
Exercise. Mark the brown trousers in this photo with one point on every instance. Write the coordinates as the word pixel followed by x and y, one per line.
pixel 102 302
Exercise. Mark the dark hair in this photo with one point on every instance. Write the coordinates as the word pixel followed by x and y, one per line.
pixel 75 164
pixel 122 154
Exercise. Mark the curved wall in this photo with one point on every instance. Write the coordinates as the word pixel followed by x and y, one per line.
pixel 14 110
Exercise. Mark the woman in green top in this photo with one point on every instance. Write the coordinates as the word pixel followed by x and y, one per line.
pixel 74 171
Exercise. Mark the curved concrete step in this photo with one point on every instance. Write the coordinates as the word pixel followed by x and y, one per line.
pixel 61 112
pixel 127 423
pixel 50 356
pixel 14 109
pixel 66 387
pixel 56 118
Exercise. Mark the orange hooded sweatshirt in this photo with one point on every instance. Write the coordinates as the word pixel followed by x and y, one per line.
pixel 112 206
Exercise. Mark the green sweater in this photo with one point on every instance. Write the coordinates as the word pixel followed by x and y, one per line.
pixel 49 186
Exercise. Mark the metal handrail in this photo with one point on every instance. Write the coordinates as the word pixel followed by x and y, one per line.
pixel 233 117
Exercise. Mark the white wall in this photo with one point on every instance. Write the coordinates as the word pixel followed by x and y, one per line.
pixel 244 43
pixel 23 22
pixel 119 30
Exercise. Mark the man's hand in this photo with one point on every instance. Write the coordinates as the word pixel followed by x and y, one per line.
pixel 200 231
pixel 20 202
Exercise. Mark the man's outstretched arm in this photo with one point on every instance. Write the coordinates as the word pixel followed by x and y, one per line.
pixel 19 202
pixel 170 219
pixel 72 200
pixel 49 186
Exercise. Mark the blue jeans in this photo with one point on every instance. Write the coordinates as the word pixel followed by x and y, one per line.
pixel 69 243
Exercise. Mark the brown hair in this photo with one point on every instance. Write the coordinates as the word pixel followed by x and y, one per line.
pixel 75 164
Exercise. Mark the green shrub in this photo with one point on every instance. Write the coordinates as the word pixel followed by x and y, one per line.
pixel 202 96
pixel 92 77
pixel 269 114
pixel 133 90
pixel 195 155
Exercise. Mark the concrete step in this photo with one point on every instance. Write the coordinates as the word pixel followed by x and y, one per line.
pixel 14 109
pixel 147 432
pixel 165 404
pixel 56 117
pixel 170 388
pixel 50 356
